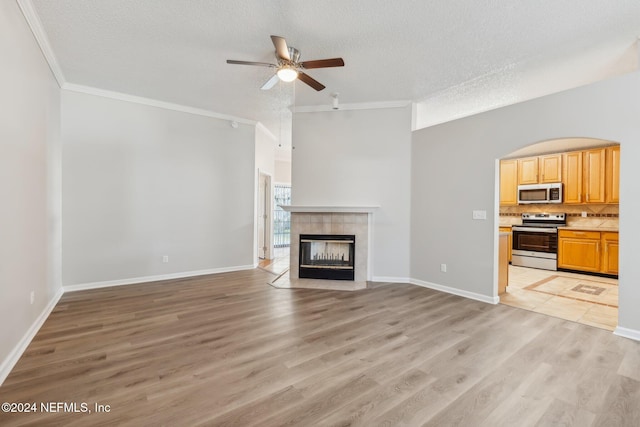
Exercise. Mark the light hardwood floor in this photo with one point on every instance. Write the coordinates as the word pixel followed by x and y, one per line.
pixel 229 350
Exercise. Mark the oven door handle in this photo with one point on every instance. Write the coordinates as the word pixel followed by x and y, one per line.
pixel 536 229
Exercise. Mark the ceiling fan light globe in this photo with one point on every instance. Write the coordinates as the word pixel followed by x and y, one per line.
pixel 287 74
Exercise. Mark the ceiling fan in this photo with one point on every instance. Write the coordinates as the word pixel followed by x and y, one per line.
pixel 288 67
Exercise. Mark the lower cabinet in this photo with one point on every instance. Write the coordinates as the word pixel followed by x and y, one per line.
pixel 610 256
pixel 590 251
pixel 503 262
pixel 507 230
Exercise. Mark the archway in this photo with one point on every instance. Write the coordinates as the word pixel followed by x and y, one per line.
pixel 584 286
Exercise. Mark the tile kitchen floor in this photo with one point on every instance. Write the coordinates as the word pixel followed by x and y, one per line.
pixel 590 300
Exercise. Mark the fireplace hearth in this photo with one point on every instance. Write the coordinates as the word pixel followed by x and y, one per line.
pixel 327 256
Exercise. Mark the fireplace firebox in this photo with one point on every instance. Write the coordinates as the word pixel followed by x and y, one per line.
pixel 327 256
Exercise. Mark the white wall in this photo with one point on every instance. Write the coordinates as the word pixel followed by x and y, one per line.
pixel 283 172
pixel 141 182
pixel 453 173
pixel 359 157
pixel 29 186
pixel 265 151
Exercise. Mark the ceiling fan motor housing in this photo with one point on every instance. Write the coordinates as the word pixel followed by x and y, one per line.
pixel 294 54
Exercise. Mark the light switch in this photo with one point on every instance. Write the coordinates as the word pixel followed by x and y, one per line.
pixel 479 214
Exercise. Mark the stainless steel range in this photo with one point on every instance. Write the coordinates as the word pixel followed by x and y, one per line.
pixel 535 242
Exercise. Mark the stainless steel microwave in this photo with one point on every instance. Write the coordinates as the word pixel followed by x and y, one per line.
pixel 540 193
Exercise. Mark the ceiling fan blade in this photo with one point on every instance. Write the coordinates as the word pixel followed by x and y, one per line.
pixel 305 78
pixel 323 63
pixel 281 47
pixel 261 64
pixel 271 82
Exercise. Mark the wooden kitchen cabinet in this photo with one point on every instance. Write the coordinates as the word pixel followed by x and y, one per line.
pixel 584 176
pixel 508 182
pixel 610 255
pixel 550 168
pixel 588 176
pixel 509 242
pixel 591 251
pixel 612 174
pixel 503 263
pixel 528 170
pixel 572 177
pixel 594 175
pixel 540 169
pixel 579 250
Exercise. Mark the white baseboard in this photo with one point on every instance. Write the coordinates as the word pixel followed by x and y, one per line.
pixel 455 291
pixel 135 280
pixel 390 279
pixel 10 361
pixel 632 334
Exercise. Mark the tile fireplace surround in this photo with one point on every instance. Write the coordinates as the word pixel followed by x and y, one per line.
pixel 332 220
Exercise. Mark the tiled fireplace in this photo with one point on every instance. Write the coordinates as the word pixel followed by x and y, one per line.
pixel 349 224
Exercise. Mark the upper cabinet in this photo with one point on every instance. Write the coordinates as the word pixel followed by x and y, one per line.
pixel 540 169
pixel 572 176
pixel 528 170
pixel 594 175
pixel 588 176
pixel 508 182
pixel 612 175
pixel 550 168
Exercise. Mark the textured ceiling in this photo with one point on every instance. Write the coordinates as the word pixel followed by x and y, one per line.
pixel 455 57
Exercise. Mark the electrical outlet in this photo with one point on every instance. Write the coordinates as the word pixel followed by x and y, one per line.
pixel 165 258
pixel 443 268
pixel 584 214
pixel 32 297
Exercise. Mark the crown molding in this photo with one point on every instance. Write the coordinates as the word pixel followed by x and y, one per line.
pixel 34 23
pixel 154 103
pixel 356 106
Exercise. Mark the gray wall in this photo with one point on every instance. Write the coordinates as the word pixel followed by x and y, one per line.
pixel 359 157
pixel 141 182
pixel 453 173
pixel 29 184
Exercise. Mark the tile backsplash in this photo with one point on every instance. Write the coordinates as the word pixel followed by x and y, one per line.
pixel 598 215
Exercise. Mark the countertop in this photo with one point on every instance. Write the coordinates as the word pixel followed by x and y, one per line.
pixel 588 228
pixel 577 227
